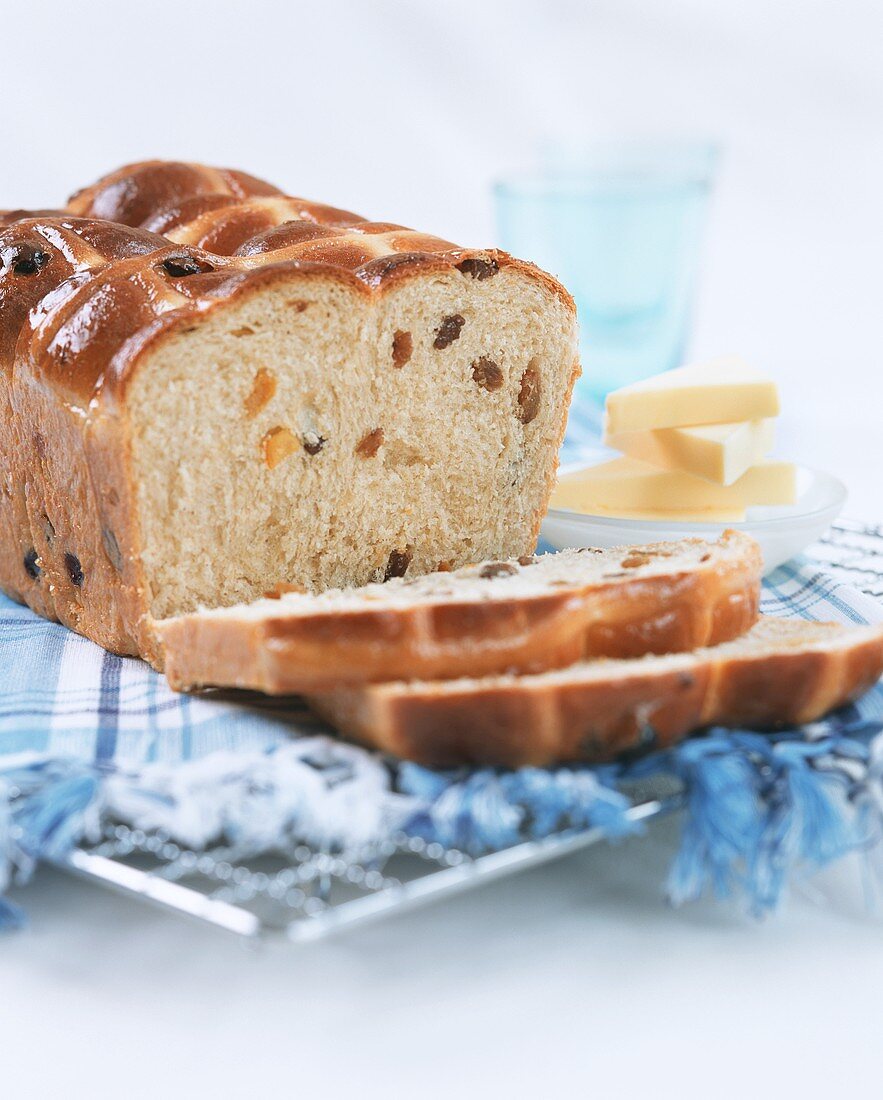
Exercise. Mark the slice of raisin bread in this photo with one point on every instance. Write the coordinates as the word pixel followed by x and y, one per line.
pixel 782 671
pixel 524 614
pixel 278 391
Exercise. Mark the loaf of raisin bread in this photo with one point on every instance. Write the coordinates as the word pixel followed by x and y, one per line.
pixel 782 671
pixel 524 614
pixel 209 388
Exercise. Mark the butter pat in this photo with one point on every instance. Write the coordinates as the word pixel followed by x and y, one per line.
pixel 628 487
pixel 719 392
pixel 717 452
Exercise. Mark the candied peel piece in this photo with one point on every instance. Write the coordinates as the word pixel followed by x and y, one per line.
pixel 278 444
pixel 262 390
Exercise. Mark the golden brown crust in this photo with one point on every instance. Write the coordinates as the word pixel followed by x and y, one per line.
pixel 230 213
pixel 624 617
pixel 81 301
pixel 133 194
pixel 570 717
pixel 99 284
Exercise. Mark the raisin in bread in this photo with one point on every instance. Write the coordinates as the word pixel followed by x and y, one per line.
pixel 320 400
pixel 526 615
pixel 782 671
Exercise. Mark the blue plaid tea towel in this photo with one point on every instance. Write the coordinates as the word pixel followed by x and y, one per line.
pixel 86 736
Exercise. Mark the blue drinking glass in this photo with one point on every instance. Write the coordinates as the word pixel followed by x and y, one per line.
pixel 621 227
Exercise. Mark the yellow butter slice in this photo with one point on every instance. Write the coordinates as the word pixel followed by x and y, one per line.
pixel 627 485
pixel 721 391
pixel 716 452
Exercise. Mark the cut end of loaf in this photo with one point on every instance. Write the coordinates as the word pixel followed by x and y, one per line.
pixel 320 435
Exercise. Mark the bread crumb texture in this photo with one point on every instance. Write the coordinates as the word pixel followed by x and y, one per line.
pixel 327 438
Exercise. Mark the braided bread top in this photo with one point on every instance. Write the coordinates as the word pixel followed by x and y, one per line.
pixel 155 244
pixel 137 193
pixel 232 214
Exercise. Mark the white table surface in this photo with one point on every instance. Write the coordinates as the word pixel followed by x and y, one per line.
pixel 573 979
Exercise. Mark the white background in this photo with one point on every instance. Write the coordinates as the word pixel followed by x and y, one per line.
pixel 574 979
pixel 408 110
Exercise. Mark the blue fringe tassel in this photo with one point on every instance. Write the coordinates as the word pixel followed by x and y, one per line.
pixel 758 808
pixel 485 810
pixel 43 809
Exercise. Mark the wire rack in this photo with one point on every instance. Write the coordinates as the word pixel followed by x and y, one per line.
pixel 301 893
pixel 853 552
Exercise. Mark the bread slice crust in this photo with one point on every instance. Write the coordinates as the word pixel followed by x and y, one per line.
pixel 647 607
pixel 782 672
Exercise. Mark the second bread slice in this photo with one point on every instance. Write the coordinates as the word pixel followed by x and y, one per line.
pixel 782 671
pixel 524 615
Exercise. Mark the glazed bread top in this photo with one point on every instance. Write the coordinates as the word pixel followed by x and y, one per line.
pixel 83 292
pixel 136 193
pixel 214 208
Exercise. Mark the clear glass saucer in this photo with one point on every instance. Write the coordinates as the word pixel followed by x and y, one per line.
pixel 782 531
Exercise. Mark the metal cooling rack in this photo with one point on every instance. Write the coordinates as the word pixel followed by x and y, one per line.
pixel 853 552
pixel 301 893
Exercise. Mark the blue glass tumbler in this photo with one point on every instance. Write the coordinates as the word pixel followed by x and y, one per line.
pixel 621 227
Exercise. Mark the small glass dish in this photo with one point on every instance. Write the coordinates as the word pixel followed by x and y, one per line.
pixel 782 531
